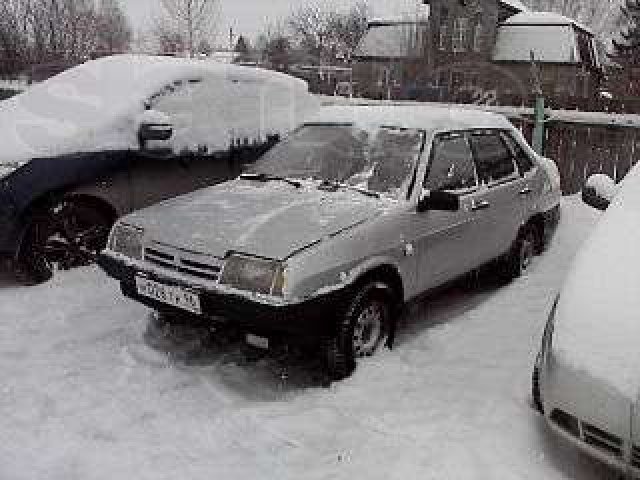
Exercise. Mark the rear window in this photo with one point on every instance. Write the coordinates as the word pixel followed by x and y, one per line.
pixel 523 160
pixel 494 160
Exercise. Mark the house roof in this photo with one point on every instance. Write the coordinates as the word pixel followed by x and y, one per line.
pixel 551 36
pixel 515 4
pixel 544 18
pixel 550 44
pixel 392 39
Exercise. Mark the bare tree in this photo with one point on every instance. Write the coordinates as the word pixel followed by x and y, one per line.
pixel 193 20
pixel 326 34
pixel 114 33
pixel 68 31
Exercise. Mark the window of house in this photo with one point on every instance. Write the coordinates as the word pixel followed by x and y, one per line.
pixel 494 160
pixel 451 166
pixel 460 34
pixel 478 36
pixel 444 37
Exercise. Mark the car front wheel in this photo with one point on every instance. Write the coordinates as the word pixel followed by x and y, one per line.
pixel 62 236
pixel 360 332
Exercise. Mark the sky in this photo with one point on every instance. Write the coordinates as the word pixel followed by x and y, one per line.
pixel 249 17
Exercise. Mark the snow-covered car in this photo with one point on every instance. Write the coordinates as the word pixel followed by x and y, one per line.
pixel 358 211
pixel 586 378
pixel 124 132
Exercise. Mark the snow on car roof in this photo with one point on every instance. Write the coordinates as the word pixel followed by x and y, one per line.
pixel 418 117
pixel 93 106
pixel 597 326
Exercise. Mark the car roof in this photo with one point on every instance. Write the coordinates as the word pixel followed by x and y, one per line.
pixel 423 117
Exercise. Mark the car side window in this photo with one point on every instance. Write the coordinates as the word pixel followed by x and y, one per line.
pixel 494 160
pixel 523 160
pixel 451 166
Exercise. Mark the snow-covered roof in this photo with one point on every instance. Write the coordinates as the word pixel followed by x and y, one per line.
pixel 409 116
pixel 515 4
pixel 392 39
pixel 544 18
pixel 550 44
pixel 94 106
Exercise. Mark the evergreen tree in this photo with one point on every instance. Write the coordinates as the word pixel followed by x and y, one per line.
pixel 626 51
pixel 242 46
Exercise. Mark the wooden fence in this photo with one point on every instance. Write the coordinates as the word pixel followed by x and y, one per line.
pixel 582 149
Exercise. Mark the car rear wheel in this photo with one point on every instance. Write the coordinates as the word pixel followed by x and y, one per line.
pixel 63 236
pixel 522 254
pixel 361 332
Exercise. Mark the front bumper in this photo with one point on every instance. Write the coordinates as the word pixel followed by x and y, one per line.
pixel 588 415
pixel 305 321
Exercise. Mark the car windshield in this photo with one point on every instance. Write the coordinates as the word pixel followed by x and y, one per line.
pixel 380 159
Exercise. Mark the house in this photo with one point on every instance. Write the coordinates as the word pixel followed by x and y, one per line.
pixel 477 51
pixel 564 49
pixel 389 56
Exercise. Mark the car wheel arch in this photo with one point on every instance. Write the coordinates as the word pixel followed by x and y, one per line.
pixel 50 198
pixel 387 280
pixel 537 223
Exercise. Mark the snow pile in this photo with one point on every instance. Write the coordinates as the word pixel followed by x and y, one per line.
pixel 603 185
pixel 597 327
pixel 90 391
pixel 95 106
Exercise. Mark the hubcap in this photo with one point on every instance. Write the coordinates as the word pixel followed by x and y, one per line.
pixel 368 330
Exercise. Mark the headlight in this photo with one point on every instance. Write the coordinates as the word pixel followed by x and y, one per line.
pixel 126 240
pixel 254 275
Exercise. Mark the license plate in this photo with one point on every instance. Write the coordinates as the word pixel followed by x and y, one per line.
pixel 258 342
pixel 170 295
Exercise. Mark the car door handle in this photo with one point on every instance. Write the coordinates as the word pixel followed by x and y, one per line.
pixel 480 206
pixel 526 191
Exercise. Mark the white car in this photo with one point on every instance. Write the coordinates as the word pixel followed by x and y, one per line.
pixel 586 378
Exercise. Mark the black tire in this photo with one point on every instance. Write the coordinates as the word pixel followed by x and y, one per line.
pixel 522 253
pixel 62 236
pixel 535 390
pixel 360 332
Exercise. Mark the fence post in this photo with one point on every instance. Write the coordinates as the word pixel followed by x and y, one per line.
pixel 538 129
pixel 538 110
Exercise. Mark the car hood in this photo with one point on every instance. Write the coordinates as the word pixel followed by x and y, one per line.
pixel 271 220
pixel 597 328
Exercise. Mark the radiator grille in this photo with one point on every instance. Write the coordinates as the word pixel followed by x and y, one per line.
pixel 189 263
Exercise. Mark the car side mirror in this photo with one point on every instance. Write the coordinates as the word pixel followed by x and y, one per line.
pixel 438 200
pixel 599 191
pixel 153 126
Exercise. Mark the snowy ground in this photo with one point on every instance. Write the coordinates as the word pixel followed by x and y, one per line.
pixel 90 390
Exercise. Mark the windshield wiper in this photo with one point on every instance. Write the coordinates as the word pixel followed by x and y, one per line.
pixel 335 185
pixel 263 177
